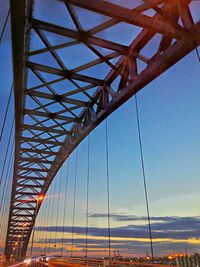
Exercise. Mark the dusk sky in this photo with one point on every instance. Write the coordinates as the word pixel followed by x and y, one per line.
pixel 170 126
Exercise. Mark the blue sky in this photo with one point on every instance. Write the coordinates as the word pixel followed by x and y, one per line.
pixel 170 126
pixel 170 129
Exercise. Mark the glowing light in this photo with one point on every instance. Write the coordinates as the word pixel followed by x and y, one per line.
pixel 40 198
pixel 27 261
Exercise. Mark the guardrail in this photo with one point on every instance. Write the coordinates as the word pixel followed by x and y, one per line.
pixel 82 262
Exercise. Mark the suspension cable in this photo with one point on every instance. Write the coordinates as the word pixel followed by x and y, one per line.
pixel 7 149
pixel 48 213
pixel 43 213
pixel 87 197
pixel 5 200
pixel 8 169
pixel 4 25
pixel 52 213
pixel 198 55
pixel 65 204
pixel 59 192
pixel 40 221
pixel 144 176
pixel 74 204
pixel 33 230
pixel 44 219
pixel 108 191
pixel 4 215
pixel 37 233
pixel 6 113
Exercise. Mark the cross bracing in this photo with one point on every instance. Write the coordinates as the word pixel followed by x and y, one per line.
pixel 69 76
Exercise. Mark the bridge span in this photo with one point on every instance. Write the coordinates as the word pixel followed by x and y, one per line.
pixel 62 94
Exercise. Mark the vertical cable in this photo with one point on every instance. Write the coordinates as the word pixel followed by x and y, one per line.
pixel 6 113
pixel 4 210
pixel 6 192
pixel 3 218
pixel 48 213
pixel 38 233
pixel 41 236
pixel 33 227
pixel 55 243
pixel 108 190
pixel 4 200
pixel 6 179
pixel 65 204
pixel 74 204
pixel 52 213
pixel 144 176
pixel 7 149
pixel 37 223
pixel 4 25
pixel 87 197
pixel 198 55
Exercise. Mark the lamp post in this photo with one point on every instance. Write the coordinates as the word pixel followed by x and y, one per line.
pixel 38 201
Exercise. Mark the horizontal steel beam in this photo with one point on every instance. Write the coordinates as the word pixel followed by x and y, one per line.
pixel 66 74
pixel 29 185
pixel 80 36
pixel 37 160
pixel 32 179
pixel 38 151
pixel 58 98
pixel 45 129
pixel 49 115
pixel 123 14
pixel 23 208
pixel 27 193
pixel 32 169
pixel 40 141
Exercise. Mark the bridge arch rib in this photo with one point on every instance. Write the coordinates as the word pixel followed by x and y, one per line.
pixel 54 114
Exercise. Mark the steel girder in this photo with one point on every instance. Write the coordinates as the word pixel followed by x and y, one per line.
pixel 54 114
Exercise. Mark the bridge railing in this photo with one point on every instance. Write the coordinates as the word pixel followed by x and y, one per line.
pixel 79 262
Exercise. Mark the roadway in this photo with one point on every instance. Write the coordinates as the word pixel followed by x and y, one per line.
pixel 83 262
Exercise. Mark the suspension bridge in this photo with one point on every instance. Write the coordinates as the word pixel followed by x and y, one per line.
pixel 74 63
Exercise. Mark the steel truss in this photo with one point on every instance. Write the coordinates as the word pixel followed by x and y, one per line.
pixel 50 124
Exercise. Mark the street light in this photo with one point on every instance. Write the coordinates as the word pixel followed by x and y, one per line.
pixel 38 201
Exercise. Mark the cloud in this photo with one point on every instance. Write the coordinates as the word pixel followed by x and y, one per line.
pixel 118 217
pixel 162 228
pixel 124 217
pixel 125 246
pixel 169 234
